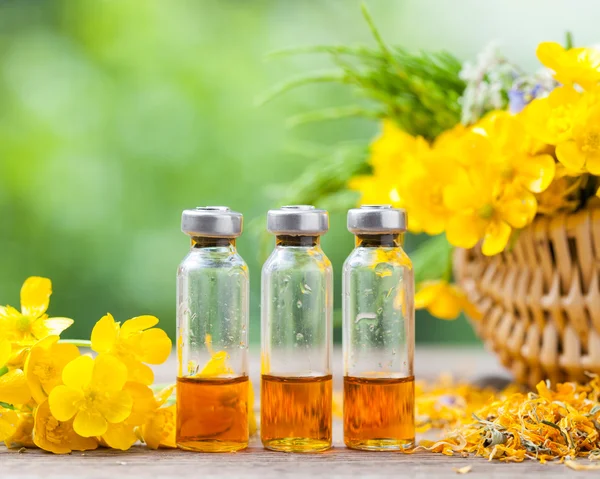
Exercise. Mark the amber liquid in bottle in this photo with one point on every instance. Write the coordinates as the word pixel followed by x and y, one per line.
pixel 379 413
pixel 296 413
pixel 212 414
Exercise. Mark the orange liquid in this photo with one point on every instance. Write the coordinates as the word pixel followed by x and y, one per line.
pixel 379 413
pixel 212 414
pixel 296 413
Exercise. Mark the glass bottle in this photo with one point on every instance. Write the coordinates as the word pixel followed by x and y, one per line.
pixel 212 331
pixel 297 301
pixel 378 333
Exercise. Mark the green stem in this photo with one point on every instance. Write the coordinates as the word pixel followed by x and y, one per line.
pixel 448 272
pixel 82 343
pixel 3 370
pixel 568 41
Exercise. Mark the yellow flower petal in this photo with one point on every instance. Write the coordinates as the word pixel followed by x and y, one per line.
pixel 138 371
pixel 109 374
pixel 89 423
pixel 135 325
pixel 120 436
pixel 159 431
pixel 144 402
pixel 518 210
pixel 463 231
pixel 155 346
pixel 446 306
pixel 115 406
pixel 64 402
pixel 571 156
pixel 13 388
pixel 216 366
pixel 164 394
pixel 538 172
pixel 9 421
pixel 496 238
pixel 78 373
pixel 548 53
pixel 104 334
pixel 44 365
pixel 35 296
pixel 5 351
pixel 22 436
pixel 49 326
pixel 426 294
pixel 56 436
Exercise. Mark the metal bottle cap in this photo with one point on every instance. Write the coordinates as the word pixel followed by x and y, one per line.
pixel 298 220
pixel 376 219
pixel 212 221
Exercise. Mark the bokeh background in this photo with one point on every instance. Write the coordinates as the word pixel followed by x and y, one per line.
pixel 117 114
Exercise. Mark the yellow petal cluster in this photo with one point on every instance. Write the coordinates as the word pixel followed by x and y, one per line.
pixel 480 184
pixel 134 343
pixel 443 300
pixel 54 398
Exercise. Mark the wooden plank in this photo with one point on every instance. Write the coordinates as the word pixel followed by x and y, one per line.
pixel 257 462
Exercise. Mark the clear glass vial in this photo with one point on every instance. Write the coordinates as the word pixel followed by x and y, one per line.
pixel 212 331
pixel 378 333
pixel 297 301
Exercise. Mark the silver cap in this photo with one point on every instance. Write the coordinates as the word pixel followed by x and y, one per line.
pixel 376 219
pixel 212 221
pixel 298 220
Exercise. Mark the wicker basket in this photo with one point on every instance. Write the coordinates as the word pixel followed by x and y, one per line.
pixel 540 302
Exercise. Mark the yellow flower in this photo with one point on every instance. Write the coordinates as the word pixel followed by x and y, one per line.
pixel 123 435
pixel 32 323
pixel 443 300
pixel 579 66
pixel 581 152
pixel 390 152
pixel 484 209
pixel 550 119
pixel 93 393
pixel 56 436
pixel 512 152
pixel 423 184
pixel 9 421
pixel 23 435
pixel 134 343
pixel 159 431
pixel 44 365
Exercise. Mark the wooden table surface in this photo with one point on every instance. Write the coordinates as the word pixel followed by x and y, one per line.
pixel 472 363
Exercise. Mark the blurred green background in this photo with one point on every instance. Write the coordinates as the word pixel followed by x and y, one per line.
pixel 117 114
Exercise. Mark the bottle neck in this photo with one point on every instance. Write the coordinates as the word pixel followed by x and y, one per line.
pixel 374 241
pixel 301 241
pixel 206 242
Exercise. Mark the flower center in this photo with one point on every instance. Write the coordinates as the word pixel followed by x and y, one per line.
pixel 44 371
pixel 508 172
pixel 23 324
pixel 591 142
pixel 486 211
pixel 55 433
pixel 560 122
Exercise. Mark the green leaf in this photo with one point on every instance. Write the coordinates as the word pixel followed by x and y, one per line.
pixel 3 370
pixel 307 79
pixel 419 91
pixel 432 259
pixel 7 406
pixel 335 113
